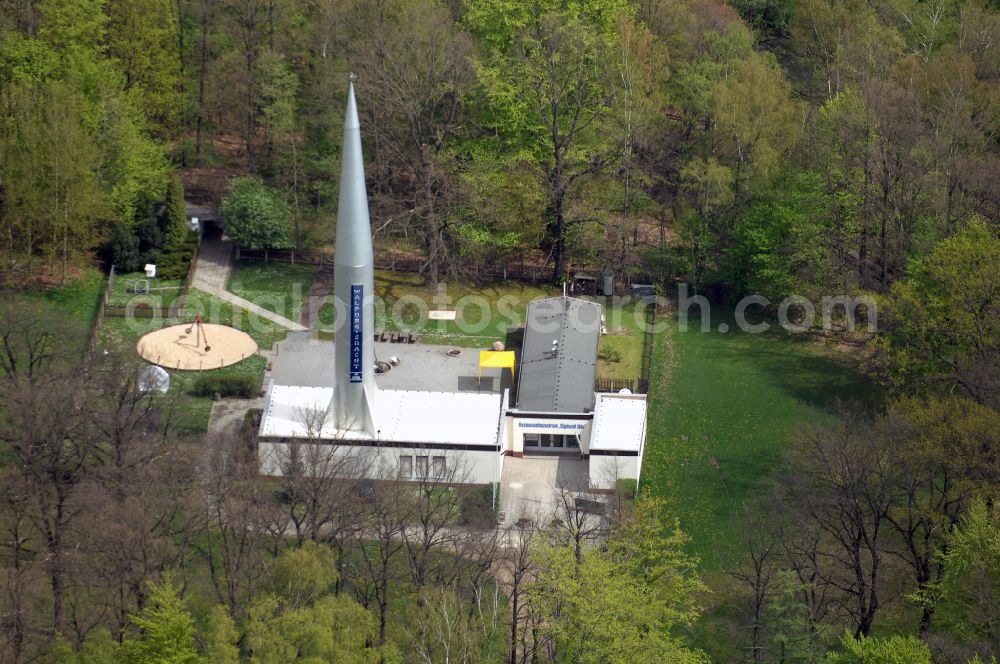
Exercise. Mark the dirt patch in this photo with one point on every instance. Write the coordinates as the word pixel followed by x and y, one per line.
pixel 187 348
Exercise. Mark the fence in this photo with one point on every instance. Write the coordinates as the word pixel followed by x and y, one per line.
pixel 534 274
pixel 648 337
pixel 95 331
pixel 615 384
pixel 178 303
pixel 141 310
pixel 283 256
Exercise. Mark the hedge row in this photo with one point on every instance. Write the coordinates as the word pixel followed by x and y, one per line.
pixel 226 386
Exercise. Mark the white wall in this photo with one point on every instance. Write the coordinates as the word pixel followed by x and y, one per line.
pixel 468 467
pixel 605 470
pixel 518 426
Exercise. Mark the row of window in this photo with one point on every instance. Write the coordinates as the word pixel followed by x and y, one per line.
pixel 436 466
pixel 554 441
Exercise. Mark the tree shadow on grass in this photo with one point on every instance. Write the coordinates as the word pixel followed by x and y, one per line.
pixel 798 364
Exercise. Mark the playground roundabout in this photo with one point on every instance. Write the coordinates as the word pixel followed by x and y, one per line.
pixel 196 346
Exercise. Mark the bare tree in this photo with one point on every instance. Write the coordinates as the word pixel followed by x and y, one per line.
pixel 580 519
pixel 379 541
pixel 20 627
pixel 30 339
pixel 436 503
pixel 517 572
pixel 239 516
pixel 414 63
pixel 140 503
pixel 758 566
pixel 54 454
pixel 844 489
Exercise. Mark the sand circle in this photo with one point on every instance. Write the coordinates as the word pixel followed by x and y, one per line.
pixel 187 348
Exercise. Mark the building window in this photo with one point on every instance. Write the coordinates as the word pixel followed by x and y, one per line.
pixel 551 441
pixel 421 466
pixel 406 466
pixel 438 466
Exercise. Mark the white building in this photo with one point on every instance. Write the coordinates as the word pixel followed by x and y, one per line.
pixel 424 432
pixel 432 416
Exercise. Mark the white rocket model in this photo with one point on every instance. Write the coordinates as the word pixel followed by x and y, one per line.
pixel 354 289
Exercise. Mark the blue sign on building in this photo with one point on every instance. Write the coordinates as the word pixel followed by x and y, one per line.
pixel 357 332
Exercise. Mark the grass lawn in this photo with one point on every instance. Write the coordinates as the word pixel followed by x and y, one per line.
pixel 483 313
pixel 624 338
pixel 73 305
pixel 281 288
pixel 723 408
pixel 193 412
pixel 162 292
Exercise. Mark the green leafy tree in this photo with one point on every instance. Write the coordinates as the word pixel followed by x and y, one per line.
pixel 797 635
pixel 143 36
pixel 219 637
pixel 771 18
pixel 775 245
pixel 55 198
pixel 941 327
pixel 756 121
pixel 945 456
pixel 301 620
pixel 256 216
pixel 889 650
pixel 623 604
pixel 551 88
pixel 166 630
pixel 968 595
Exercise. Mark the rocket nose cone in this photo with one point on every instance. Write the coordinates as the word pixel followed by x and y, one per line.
pixel 351 117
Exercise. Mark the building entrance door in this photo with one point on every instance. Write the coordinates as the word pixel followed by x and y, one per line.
pixel 551 443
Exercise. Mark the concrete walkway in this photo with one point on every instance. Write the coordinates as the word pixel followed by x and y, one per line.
pixel 249 306
pixel 214 262
pixel 319 294
pixel 211 275
pixel 530 487
pixel 228 415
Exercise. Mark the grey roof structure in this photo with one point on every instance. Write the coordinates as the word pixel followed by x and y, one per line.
pixel 559 356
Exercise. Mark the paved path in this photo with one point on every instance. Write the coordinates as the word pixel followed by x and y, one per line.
pixel 228 415
pixel 531 487
pixel 214 262
pixel 319 293
pixel 247 305
pixel 211 275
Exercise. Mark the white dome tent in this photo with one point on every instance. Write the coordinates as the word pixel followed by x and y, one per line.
pixel 154 379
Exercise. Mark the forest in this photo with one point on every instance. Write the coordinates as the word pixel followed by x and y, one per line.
pixel 751 147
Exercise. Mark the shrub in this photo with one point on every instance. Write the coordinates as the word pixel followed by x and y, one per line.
pixel 628 487
pixel 173 265
pixel 477 505
pixel 610 354
pixel 227 386
pixel 125 249
pixel 256 216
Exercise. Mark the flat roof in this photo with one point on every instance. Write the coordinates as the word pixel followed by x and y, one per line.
pixel 619 423
pixel 460 418
pixel 302 359
pixel 559 355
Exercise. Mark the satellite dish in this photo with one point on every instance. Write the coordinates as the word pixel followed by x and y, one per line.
pixel 624 390
pixel 154 379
